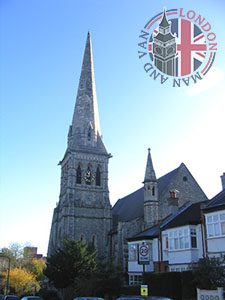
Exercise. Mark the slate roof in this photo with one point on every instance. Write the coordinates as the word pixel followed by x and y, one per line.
pixel 216 203
pixel 132 206
pixel 146 234
pixel 188 214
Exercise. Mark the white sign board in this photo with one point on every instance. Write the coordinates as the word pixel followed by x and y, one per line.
pixel 143 253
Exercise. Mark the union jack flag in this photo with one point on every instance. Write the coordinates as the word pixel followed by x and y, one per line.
pixel 191 47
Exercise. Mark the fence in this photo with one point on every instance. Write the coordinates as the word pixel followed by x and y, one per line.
pixel 210 294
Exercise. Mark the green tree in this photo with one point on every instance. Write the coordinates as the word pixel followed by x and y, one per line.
pixel 70 264
pixel 209 273
pixel 105 281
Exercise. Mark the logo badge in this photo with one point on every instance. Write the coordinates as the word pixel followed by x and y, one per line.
pixel 177 46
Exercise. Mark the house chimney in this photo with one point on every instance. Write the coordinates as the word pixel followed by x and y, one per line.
pixel 173 201
pixel 223 180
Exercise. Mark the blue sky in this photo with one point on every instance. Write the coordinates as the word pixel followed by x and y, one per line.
pixel 42 44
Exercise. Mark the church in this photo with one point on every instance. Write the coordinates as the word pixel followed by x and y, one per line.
pixel 84 212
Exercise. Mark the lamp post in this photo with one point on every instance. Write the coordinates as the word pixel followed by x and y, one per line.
pixel 8 272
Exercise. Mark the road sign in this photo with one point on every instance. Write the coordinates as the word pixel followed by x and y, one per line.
pixel 143 253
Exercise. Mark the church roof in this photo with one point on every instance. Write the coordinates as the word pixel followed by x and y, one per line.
pixel 132 206
pixel 146 234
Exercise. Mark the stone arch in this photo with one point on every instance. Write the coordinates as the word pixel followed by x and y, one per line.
pixel 94 242
pixel 98 176
pixel 82 239
pixel 78 174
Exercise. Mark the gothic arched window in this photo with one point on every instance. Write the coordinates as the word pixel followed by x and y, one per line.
pixel 88 176
pixel 93 242
pixel 89 133
pixel 82 239
pixel 98 177
pixel 78 180
pixel 153 191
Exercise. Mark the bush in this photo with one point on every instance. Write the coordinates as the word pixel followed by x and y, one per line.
pixel 209 273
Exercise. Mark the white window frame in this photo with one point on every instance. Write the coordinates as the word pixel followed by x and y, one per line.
pixel 133 252
pixel 135 278
pixel 215 224
pixel 178 268
pixel 182 238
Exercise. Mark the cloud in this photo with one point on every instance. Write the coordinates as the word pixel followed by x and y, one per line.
pixel 211 80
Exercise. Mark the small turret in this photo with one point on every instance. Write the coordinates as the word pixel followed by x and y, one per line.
pixel 150 194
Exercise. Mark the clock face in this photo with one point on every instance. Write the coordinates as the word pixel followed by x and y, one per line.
pixel 88 177
pixel 170 50
pixel 158 50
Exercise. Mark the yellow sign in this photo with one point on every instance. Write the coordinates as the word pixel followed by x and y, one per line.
pixel 144 290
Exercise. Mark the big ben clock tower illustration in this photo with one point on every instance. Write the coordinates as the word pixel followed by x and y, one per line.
pixel 164 48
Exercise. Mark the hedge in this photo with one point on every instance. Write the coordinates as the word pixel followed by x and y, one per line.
pixel 176 285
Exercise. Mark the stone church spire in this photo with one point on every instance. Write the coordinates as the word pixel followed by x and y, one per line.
pixel 151 203
pixel 149 171
pixel 85 129
pixel 83 212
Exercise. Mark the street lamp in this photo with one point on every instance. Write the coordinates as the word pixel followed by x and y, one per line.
pixel 8 273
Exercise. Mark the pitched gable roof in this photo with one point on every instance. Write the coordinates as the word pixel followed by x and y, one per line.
pixel 132 206
pixel 217 202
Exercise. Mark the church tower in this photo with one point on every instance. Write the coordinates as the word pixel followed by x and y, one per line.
pixel 151 203
pixel 83 212
pixel 164 48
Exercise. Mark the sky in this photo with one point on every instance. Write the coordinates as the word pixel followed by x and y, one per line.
pixel 41 52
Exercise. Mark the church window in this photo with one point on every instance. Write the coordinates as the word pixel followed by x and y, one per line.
pixel 78 180
pixel 153 191
pixel 82 239
pixel 88 176
pixel 98 177
pixel 89 133
pixel 185 178
pixel 93 242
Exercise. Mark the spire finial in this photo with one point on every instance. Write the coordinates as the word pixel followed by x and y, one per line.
pixel 149 171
